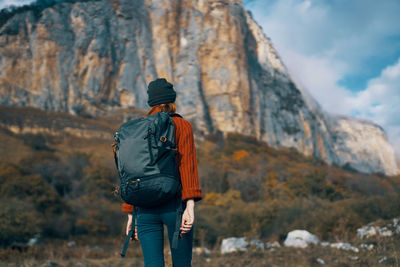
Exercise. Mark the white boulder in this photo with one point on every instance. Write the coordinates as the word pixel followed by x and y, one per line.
pixel 344 246
pixel 300 239
pixel 233 244
pixel 257 244
pixel 366 231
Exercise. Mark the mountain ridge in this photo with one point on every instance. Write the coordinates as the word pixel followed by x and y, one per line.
pixel 96 57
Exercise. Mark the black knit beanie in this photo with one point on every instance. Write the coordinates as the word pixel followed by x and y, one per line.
pixel 160 92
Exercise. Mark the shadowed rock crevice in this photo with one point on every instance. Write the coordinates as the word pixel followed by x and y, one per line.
pixel 206 111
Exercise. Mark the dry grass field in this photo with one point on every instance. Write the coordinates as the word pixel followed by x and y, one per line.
pixel 96 252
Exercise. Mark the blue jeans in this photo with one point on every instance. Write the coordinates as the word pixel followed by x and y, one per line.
pixel 150 225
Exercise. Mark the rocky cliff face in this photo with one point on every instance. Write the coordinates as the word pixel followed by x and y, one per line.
pixel 93 57
pixel 35 121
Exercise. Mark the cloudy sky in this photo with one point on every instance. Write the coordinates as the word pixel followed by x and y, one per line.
pixel 346 53
pixel 6 3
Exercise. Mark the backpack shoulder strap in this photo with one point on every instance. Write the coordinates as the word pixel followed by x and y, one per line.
pixel 175 115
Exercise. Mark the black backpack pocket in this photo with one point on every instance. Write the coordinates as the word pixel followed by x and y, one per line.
pixel 150 191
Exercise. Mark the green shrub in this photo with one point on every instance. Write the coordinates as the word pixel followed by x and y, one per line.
pixel 36 141
pixel 98 180
pixel 19 221
pixel 372 208
pixel 32 189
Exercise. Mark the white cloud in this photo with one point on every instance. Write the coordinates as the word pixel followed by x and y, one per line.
pixel 380 102
pixel 394 138
pixel 319 75
pixel 321 42
pixel 340 30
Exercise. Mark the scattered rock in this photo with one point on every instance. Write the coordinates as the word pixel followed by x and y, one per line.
pixel 71 244
pixel 367 246
pixel 201 251
pixel 387 230
pixel 354 258
pixel 257 244
pixel 344 246
pixel 366 231
pixel 384 231
pixel 382 260
pixel 321 261
pixel 300 239
pixel 34 240
pixel 396 225
pixel 233 244
pixel 325 244
pixel 272 245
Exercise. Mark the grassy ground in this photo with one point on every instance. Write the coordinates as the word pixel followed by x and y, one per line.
pixel 105 252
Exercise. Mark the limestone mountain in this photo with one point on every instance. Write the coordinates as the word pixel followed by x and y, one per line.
pixel 93 57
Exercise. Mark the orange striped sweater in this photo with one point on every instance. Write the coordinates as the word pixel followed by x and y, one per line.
pixel 186 160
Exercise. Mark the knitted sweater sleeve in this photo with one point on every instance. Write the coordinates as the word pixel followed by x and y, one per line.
pixel 186 159
pixel 128 208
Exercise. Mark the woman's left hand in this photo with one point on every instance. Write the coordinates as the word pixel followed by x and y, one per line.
pixel 188 217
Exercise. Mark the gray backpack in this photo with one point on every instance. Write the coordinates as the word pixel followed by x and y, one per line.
pixel 145 157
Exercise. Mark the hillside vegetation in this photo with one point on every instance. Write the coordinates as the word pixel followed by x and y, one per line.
pixel 61 187
pixel 257 191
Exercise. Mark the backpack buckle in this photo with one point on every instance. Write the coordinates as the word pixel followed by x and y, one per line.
pixel 116 191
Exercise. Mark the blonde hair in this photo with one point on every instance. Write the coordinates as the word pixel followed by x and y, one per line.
pixel 169 108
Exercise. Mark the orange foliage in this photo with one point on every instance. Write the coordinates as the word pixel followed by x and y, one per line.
pixel 276 190
pixel 227 199
pixel 212 198
pixel 240 154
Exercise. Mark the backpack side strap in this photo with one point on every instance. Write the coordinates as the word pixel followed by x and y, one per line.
pixel 130 234
pixel 115 148
pixel 177 234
